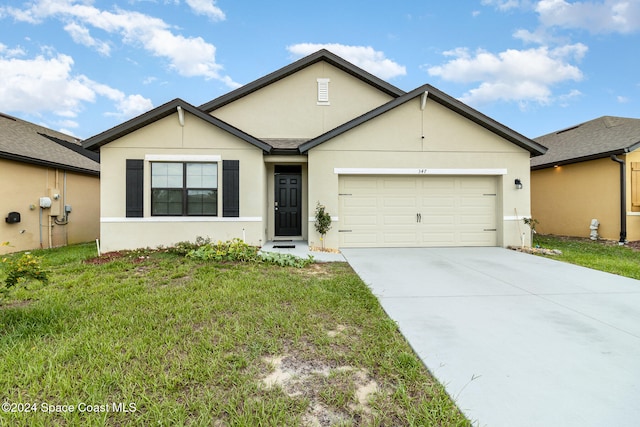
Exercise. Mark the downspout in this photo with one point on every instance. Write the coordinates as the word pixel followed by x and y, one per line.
pixel 623 200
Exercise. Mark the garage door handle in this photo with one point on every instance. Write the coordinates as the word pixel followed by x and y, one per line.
pixel 418 217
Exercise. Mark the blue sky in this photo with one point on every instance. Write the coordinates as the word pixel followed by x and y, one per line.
pixel 83 66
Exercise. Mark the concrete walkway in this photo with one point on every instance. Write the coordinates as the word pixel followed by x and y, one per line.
pixel 516 339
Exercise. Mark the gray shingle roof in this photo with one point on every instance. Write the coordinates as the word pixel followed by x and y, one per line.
pixel 30 143
pixel 594 139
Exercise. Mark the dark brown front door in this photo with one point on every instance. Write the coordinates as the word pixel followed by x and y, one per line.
pixel 288 211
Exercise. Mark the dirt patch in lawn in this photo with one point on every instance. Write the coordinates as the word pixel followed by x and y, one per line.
pixel 107 257
pixel 337 395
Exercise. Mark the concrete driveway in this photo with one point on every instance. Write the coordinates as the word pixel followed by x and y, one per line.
pixel 516 339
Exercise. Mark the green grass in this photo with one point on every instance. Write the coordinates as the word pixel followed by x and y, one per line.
pixel 600 255
pixel 185 342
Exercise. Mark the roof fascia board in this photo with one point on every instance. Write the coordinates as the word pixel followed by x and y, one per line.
pixel 37 162
pixel 94 143
pixel 533 147
pixel 632 147
pixel 597 156
pixel 321 55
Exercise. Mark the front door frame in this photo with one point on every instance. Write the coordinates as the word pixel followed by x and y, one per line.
pixel 288 200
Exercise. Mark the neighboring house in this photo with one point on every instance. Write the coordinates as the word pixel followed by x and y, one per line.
pixel 392 168
pixel 50 193
pixel 582 176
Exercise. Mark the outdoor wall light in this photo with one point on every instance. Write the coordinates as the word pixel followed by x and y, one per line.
pixel 518 184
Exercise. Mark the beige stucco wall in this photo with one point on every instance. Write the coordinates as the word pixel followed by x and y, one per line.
pixel 395 140
pixel 565 199
pixel 23 186
pixel 288 108
pixel 167 137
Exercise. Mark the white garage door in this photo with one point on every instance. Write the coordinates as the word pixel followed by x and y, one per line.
pixel 405 211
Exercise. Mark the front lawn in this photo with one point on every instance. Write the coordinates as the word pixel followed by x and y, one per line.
pixel 600 255
pixel 153 338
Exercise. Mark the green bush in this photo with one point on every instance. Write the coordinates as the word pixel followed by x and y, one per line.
pixel 285 260
pixel 239 251
pixel 183 248
pixel 25 267
pixel 231 250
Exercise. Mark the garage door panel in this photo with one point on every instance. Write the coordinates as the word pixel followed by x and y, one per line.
pixel 361 202
pixel 360 239
pixel 418 211
pixel 362 220
pixel 436 238
pixel 394 220
pixel 473 220
pixel 394 184
pixel 478 239
pixel 445 219
pixel 441 202
pixel 399 238
pixel 399 202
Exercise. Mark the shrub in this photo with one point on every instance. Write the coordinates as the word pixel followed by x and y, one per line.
pixel 238 251
pixel 183 248
pixel 231 250
pixel 25 267
pixel 285 260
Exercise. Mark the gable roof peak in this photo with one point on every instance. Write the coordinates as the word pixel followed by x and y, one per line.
pixel 442 98
pixel 294 67
pixel 165 110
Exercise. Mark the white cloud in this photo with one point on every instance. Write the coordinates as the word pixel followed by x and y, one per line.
pixel 80 35
pixel 608 16
pixel 513 75
pixel 622 99
pixel 188 56
pixel 503 4
pixel 47 84
pixel 207 8
pixel 364 57
pixel 10 53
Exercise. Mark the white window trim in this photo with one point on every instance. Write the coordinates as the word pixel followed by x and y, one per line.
pixel 417 171
pixel 182 158
pixel 106 220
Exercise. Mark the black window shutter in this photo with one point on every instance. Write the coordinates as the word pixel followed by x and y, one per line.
pixel 135 186
pixel 231 188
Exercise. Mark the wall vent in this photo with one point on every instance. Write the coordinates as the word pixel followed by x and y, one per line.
pixel 323 92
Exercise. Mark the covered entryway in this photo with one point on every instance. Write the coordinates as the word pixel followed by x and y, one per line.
pixel 288 200
pixel 414 211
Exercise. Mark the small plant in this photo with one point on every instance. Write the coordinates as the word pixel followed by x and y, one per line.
pixel 323 222
pixel 285 260
pixel 25 267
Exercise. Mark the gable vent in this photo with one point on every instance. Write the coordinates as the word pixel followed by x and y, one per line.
pixel 323 92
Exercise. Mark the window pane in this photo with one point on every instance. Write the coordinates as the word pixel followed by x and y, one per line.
pixel 166 202
pixel 166 175
pixel 202 175
pixel 202 202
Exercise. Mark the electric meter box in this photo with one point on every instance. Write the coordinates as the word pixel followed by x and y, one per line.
pixel 45 202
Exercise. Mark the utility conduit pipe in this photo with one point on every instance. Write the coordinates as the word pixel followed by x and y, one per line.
pixel 623 200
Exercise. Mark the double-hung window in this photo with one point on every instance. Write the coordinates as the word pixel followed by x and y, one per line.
pixel 179 189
